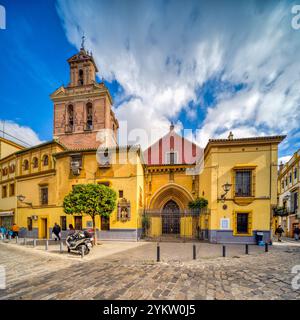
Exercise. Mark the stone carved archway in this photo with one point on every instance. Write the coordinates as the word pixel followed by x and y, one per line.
pixel 169 192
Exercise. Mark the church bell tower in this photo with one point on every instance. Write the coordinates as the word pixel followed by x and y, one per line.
pixel 83 112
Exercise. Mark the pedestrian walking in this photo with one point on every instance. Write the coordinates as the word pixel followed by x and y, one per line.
pixel 56 231
pixel 2 233
pixel 15 229
pixel 279 231
pixel 296 233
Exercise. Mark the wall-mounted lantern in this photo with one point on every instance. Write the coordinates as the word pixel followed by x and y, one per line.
pixel 22 198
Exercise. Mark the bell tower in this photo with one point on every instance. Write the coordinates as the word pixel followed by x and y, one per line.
pixel 83 109
pixel 82 68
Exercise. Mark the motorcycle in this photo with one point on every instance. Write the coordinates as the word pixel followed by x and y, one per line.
pixel 78 241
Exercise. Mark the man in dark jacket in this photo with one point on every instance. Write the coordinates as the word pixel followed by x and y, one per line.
pixel 56 230
pixel 279 231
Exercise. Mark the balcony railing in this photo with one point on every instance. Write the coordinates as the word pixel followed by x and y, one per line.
pixel 282 212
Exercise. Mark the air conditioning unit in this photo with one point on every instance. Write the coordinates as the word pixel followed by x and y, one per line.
pixel 75 167
pixel 34 218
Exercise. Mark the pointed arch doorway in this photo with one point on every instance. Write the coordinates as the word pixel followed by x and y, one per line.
pixel 171 218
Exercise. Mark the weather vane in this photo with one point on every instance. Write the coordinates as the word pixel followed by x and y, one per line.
pixel 82 42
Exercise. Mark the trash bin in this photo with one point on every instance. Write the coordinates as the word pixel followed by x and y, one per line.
pixel 259 237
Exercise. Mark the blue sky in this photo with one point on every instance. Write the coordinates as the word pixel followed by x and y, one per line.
pixel 213 66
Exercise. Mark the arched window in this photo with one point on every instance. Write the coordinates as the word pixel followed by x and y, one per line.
pixel 89 116
pixel 12 168
pixel 4 171
pixel 35 162
pixel 70 118
pixel 26 164
pixel 80 77
pixel 45 160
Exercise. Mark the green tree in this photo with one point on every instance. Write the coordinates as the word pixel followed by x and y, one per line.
pixel 92 200
pixel 198 204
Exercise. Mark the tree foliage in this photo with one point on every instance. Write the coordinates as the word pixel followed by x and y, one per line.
pixel 91 199
pixel 198 204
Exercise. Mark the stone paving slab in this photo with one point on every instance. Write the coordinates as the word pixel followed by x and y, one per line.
pixel 31 275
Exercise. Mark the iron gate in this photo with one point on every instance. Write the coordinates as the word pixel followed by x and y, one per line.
pixel 172 224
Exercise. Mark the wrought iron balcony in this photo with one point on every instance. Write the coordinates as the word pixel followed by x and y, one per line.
pixel 282 212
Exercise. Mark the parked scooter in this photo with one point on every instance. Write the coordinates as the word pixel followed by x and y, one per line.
pixel 78 241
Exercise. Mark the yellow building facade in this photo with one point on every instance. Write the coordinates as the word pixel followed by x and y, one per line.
pixel 8 164
pixel 238 177
pixel 288 214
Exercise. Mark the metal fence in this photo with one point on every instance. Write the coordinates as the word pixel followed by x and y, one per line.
pixel 174 225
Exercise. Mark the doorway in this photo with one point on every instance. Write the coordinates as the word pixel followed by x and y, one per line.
pixel 78 222
pixel 44 228
pixel 105 225
pixel 171 218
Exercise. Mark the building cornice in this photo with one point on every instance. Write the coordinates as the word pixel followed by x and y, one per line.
pixel 243 142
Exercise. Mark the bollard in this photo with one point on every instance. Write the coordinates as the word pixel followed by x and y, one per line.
pixel 247 249
pixel 17 239
pixel 266 247
pixel 194 251
pixel 9 237
pixel 61 247
pixel 224 251
pixel 24 241
pixel 46 245
pixel 82 251
pixel 34 242
pixel 158 253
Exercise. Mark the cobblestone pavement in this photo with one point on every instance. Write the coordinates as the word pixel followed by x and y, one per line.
pixel 31 275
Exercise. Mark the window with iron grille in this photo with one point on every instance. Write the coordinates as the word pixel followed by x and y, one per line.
pixel 295 173
pixel 44 195
pixel 242 222
pixel 121 194
pixel 243 183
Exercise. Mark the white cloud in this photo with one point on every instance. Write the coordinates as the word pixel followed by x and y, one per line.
pixel 284 159
pixel 161 52
pixel 20 134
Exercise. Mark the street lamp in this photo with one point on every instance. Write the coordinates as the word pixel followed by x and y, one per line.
pixel 226 187
pixel 22 198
